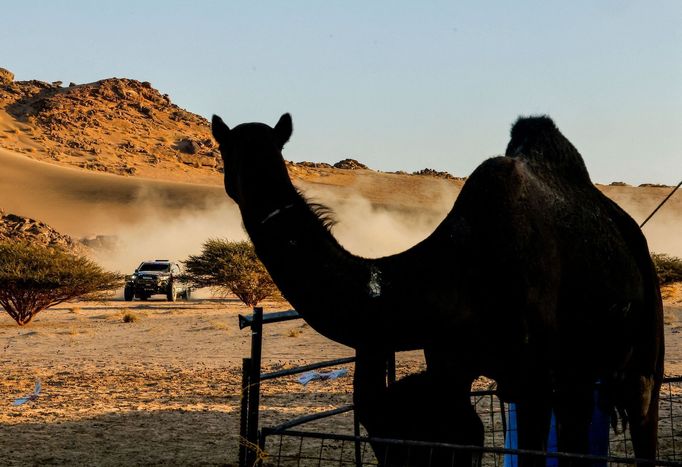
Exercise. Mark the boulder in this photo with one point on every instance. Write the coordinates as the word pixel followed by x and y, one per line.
pixel 6 76
pixel 350 164
pixel 312 165
pixel 14 227
pixel 434 173
pixel 187 146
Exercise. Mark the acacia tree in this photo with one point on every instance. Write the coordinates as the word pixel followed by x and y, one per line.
pixel 34 277
pixel 668 268
pixel 231 267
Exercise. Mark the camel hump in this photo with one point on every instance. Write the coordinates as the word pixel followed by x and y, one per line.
pixel 539 141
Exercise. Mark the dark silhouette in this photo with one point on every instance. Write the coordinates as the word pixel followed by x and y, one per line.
pixel 534 279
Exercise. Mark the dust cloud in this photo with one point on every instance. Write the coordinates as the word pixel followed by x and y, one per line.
pixel 160 231
pixel 367 229
pixel 173 234
pixel 373 231
pixel 663 230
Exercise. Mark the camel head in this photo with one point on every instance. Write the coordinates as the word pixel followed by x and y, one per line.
pixel 252 157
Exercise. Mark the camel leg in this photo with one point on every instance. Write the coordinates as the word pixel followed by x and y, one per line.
pixel 574 414
pixel 382 413
pixel 369 389
pixel 434 411
pixel 643 416
pixel 465 427
pixel 452 419
pixel 533 417
pixel 418 407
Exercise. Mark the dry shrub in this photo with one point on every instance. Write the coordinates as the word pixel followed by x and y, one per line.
pixel 218 326
pixel 228 266
pixel 130 317
pixel 34 277
pixel 668 268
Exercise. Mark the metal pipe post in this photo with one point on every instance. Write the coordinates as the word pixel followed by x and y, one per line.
pixel 254 384
pixel 244 411
pixel 390 373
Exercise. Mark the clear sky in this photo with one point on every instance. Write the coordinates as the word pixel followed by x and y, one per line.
pixel 397 85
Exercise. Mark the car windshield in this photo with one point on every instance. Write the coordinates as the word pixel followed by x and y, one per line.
pixel 154 267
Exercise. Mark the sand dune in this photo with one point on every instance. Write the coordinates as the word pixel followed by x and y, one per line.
pixel 79 202
pixel 378 213
pixel 149 218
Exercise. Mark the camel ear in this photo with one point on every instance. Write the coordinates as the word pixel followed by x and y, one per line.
pixel 221 132
pixel 283 130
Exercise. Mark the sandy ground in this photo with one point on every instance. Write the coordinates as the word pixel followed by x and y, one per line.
pixel 164 389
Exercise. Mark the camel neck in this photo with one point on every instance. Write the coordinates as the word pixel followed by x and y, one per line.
pixel 276 212
pixel 311 268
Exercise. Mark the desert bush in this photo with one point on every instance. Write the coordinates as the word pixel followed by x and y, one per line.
pixel 34 277
pixel 668 268
pixel 130 317
pixel 231 267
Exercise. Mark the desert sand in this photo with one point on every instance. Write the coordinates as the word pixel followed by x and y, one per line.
pixel 164 389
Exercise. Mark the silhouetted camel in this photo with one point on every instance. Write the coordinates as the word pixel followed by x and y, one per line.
pixel 534 279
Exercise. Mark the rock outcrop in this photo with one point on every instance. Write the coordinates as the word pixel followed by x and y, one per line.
pixel 350 164
pixel 121 126
pixel 436 174
pixel 6 76
pixel 14 227
pixel 124 127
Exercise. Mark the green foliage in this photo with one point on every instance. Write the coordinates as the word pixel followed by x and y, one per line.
pixel 669 268
pixel 231 267
pixel 34 277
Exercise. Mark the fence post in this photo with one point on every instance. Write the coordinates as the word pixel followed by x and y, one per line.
pixel 356 427
pixel 244 410
pixel 357 444
pixel 254 385
pixel 390 368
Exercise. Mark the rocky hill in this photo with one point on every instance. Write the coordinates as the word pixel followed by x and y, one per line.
pixel 14 227
pixel 123 127
pixel 120 126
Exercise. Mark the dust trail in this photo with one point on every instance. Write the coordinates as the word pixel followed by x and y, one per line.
pixel 171 234
pixel 663 230
pixel 373 231
pixel 364 228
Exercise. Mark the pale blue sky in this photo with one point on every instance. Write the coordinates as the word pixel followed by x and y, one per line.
pixel 397 85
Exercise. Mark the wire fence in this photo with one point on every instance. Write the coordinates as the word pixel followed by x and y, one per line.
pixel 298 448
pixel 285 447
